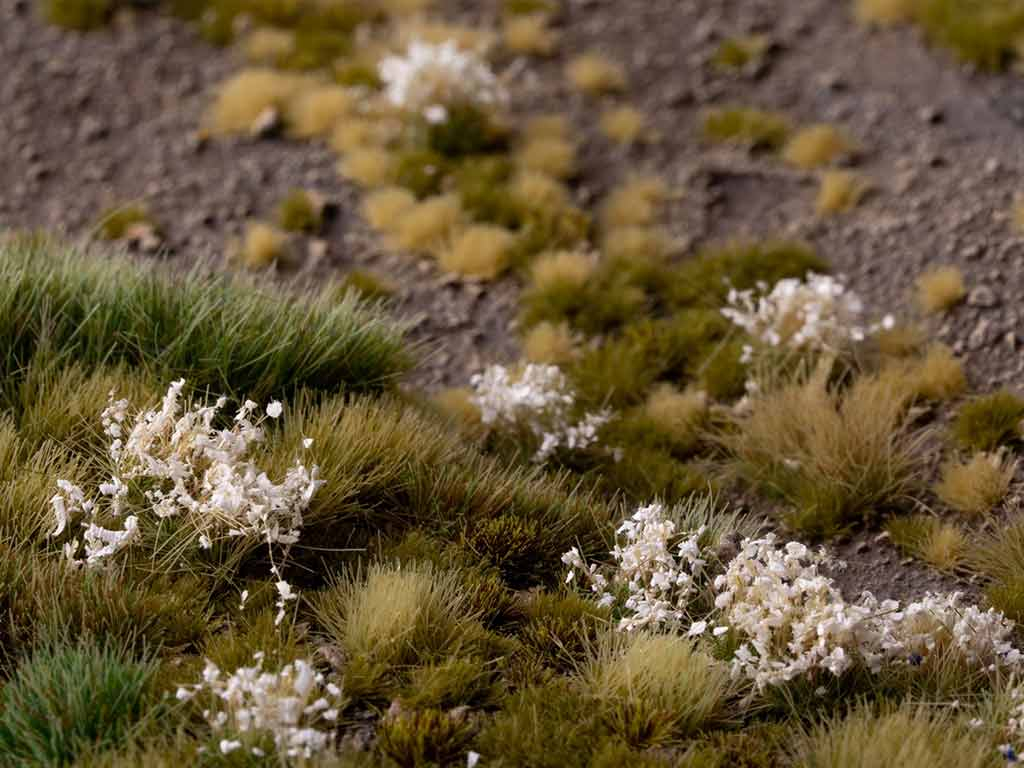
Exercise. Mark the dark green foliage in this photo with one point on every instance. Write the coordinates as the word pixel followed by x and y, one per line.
pixel 421 171
pixel 559 629
pixel 452 682
pixel 750 128
pixel 468 130
pixel 757 746
pixel 722 374
pixel 990 421
pixel 230 335
pixel 79 14
pixel 983 33
pixel 518 7
pixel 353 75
pixel 298 212
pixel 999 557
pixel 482 184
pixel 70 696
pixel 426 737
pixel 653 473
pixel 366 285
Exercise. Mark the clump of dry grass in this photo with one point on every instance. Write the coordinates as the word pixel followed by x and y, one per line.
pixel 978 485
pixel 988 422
pixel 385 208
pixel 595 74
pixel 262 245
pixel 371 167
pixel 549 343
pixel 941 544
pixel 267 45
pixel 301 211
pixel 430 224
pixel 938 376
pixel 740 52
pixel 352 134
pixel 901 340
pixel 840 191
pixel 624 125
pixel 833 454
pixel 481 251
pixel 552 126
pixel 816 146
pixel 656 689
pixel 635 203
pixel 457 404
pixel 246 97
pixel 679 415
pixel 538 191
pixel 529 34
pixel 749 128
pixel 562 269
pixel 636 243
pixel 885 12
pixel 315 111
pixel 940 289
pixel 555 157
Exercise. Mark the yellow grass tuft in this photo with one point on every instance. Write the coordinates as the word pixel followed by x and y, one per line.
pixel 562 268
pixel 540 192
pixel 547 127
pixel 678 414
pixel 816 146
pixel 457 404
pixel 529 35
pixel 246 96
pixel 943 546
pixel 749 128
pixel 978 485
pixel 370 167
pixel 385 208
pixel 467 38
pixel 355 133
pixel 262 246
pixel 940 289
pixel 552 156
pixel 634 204
pixel 267 45
pixel 315 112
pixel 901 340
pixel 885 12
pixel 624 125
pixel 840 191
pixel 938 376
pixel 480 251
pixel 595 74
pixel 430 224
pixel 549 343
pixel 636 243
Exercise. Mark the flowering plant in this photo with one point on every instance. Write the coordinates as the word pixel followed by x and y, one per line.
pixel 294 709
pixel 539 399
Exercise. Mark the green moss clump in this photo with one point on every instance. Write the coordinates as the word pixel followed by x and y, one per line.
pixel 425 737
pixel 559 629
pixel 751 128
pixel 355 75
pixel 737 52
pixel 299 212
pixel 79 14
pixel 451 682
pixel 468 130
pixel 482 185
pixel 988 422
pixel 421 171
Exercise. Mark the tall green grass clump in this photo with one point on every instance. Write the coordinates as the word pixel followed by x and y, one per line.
pixel 72 696
pixel 225 333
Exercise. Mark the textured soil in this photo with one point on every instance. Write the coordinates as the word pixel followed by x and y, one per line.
pixel 95 120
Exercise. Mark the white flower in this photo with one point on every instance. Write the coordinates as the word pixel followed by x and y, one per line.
pixel 229 746
pixel 274 409
pixel 428 79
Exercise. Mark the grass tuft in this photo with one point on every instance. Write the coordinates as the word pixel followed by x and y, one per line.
pixel 385 208
pixel 816 146
pixel 989 422
pixel 885 12
pixel 623 125
pixel 976 486
pixel 262 246
pixel 370 167
pixel 79 14
pixel 555 157
pixel 635 203
pixel 430 224
pixel 752 129
pixel 529 35
pixel 246 96
pixel 314 112
pixel 940 289
pixel 595 74
pixel 300 211
pixel 549 343
pixel 840 192
pixel 480 251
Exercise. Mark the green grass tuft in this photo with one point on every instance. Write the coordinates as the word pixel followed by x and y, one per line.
pixel 989 422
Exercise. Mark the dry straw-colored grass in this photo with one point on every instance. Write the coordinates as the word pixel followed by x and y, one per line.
pixel 429 225
pixel 624 125
pixel 555 157
pixel 635 203
pixel 481 251
pixel 885 12
pixel 595 74
pixel 569 269
pixel 816 146
pixel 267 45
pixel 529 35
pixel 549 343
pixel 679 414
pixel 940 289
pixel 315 112
pixel 247 95
pixel 262 245
pixel 385 208
pixel 976 486
pixel 370 167
pixel 839 192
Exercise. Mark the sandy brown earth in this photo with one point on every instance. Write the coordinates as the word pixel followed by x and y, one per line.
pixel 95 120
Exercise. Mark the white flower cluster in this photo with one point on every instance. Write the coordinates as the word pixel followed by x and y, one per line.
pixel 294 707
pixel 659 584
pixel 788 617
pixel 794 621
pixel 1014 724
pixel 539 398
pixel 817 313
pixel 172 463
pixel 428 79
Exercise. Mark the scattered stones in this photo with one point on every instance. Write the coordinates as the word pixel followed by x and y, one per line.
pixel 982 296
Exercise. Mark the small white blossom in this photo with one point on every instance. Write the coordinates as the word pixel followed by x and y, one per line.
pixel 274 409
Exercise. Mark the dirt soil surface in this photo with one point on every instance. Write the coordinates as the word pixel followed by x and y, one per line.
pixel 92 121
